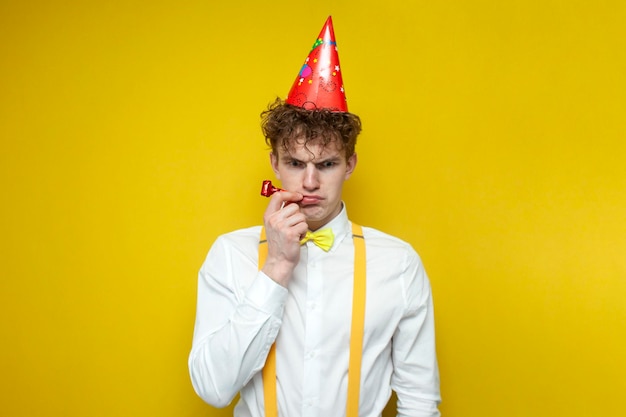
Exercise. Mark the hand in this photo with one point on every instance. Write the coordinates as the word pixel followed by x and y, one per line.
pixel 284 227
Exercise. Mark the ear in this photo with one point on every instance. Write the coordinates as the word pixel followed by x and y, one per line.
pixel 274 163
pixel 350 165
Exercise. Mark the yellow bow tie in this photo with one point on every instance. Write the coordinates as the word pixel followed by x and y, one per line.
pixel 322 238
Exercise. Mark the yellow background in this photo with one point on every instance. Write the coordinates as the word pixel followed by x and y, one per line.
pixel 493 141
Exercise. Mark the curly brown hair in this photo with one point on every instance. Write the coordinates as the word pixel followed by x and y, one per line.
pixel 282 123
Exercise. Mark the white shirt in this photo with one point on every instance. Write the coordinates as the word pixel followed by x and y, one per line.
pixel 241 312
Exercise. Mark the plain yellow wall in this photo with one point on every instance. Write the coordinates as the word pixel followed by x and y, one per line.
pixel 494 142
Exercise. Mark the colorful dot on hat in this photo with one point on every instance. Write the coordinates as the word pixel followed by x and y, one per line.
pixel 317 43
pixel 305 71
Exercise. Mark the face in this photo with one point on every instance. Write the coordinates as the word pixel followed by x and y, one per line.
pixel 316 172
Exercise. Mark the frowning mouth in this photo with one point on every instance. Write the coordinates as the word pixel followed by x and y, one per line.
pixel 309 200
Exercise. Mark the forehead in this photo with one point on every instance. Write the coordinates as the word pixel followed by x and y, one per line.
pixel 312 149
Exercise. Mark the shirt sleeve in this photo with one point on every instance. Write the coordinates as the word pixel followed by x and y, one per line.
pixel 415 377
pixel 238 315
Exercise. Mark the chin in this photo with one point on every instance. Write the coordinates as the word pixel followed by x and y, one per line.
pixel 313 213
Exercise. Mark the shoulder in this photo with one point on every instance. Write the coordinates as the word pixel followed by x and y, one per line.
pixel 378 238
pixel 246 236
pixel 232 262
pixel 390 249
pixel 241 242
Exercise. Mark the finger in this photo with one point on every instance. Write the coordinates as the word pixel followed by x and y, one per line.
pixel 285 217
pixel 292 216
pixel 282 198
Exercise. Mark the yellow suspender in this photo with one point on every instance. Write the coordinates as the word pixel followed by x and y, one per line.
pixel 358 321
pixel 356 332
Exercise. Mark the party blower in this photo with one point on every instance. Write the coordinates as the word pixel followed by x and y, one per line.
pixel 267 189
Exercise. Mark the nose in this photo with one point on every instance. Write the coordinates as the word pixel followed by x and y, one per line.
pixel 311 178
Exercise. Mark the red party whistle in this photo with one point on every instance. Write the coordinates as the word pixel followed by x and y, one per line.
pixel 267 189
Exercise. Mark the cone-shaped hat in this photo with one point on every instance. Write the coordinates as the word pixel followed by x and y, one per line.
pixel 319 84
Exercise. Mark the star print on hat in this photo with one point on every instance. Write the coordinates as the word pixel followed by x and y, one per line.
pixel 319 84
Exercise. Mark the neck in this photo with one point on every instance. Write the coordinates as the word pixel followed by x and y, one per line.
pixel 315 225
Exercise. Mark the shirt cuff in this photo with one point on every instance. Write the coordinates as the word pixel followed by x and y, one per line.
pixel 267 295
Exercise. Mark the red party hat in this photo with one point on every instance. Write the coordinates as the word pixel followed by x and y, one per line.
pixel 319 84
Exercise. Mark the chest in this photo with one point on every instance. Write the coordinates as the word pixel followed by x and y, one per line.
pixel 319 307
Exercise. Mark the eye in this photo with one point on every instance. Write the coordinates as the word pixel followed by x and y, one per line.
pixel 294 163
pixel 327 164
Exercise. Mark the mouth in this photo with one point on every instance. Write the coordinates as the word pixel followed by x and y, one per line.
pixel 309 200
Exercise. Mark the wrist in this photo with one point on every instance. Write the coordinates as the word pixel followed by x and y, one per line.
pixel 279 271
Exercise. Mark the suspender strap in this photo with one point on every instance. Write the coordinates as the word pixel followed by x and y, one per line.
pixel 269 370
pixel 358 320
pixel 356 332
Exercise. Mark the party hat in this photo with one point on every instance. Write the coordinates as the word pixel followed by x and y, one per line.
pixel 319 84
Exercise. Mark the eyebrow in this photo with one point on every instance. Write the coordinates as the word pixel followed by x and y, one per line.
pixel 330 159
pixel 288 158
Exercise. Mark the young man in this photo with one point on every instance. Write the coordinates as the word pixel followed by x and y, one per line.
pixel 303 325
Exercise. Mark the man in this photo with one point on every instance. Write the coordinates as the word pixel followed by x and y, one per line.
pixel 301 326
